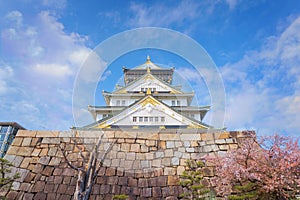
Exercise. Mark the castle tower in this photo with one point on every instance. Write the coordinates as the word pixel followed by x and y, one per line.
pixel 148 99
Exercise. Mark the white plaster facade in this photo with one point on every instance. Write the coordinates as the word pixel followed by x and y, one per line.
pixel 127 105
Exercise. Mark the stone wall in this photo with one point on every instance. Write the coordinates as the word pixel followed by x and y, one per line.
pixel 143 165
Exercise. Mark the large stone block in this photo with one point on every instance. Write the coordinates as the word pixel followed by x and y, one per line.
pixel 12 150
pixel 132 182
pixel 166 161
pixel 25 151
pixel 67 134
pixel 135 148
pixel 62 189
pixel 49 140
pixel 112 180
pixel 145 163
pixel 223 135
pixel 44 160
pixel 125 147
pixel 146 192
pixel 91 134
pixel 190 150
pixel 25 187
pixel 175 161
pixel 142 182
pixel 144 148
pixel 140 141
pixel 180 170
pixel 170 144
pixel 169 171
pixel 148 136
pixel 110 171
pixel 38 186
pixel 125 135
pixel 159 154
pixel 169 136
pixel 169 153
pixel 17 141
pixel 156 192
pixel 26 142
pixel 26 133
pixel 48 134
pixel 190 136
pixel 130 156
pixel 25 162
pixel 39 195
pixel 173 180
pixel 151 142
pixel 48 171
pixel 136 164
pixel 156 163
pixel 54 161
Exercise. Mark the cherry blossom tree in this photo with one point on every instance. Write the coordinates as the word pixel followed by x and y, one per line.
pixel 268 168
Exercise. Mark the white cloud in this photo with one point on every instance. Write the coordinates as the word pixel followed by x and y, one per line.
pixel 79 56
pixel 3 87
pixel 92 69
pixel 6 73
pixel 15 17
pixel 55 70
pixel 162 14
pixel 45 63
pixel 289 108
pixel 232 3
pixel 105 75
pixel 59 4
pixel 189 74
pixel 263 88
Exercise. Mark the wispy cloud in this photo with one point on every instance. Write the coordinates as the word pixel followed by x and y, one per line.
pixel 263 88
pixel 48 59
pixel 231 3
pixel 162 14
pixel 6 73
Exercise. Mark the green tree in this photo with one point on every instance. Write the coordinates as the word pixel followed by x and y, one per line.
pixel 244 191
pixel 191 181
pixel 6 180
pixel 120 196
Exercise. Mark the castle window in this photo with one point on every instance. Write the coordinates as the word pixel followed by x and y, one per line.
pixel 134 119
pixel 123 102
pixel 192 115
pixel 142 89
pixel 148 119
pixel 118 102
pixel 173 103
pixel 104 115
pixel 178 103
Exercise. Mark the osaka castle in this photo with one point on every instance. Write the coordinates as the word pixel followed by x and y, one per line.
pixel 148 99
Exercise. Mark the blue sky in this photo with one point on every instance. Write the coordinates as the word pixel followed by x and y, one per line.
pixel 254 44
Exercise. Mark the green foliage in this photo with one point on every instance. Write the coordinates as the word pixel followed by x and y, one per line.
pixel 6 180
pixel 191 181
pixel 120 196
pixel 245 191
